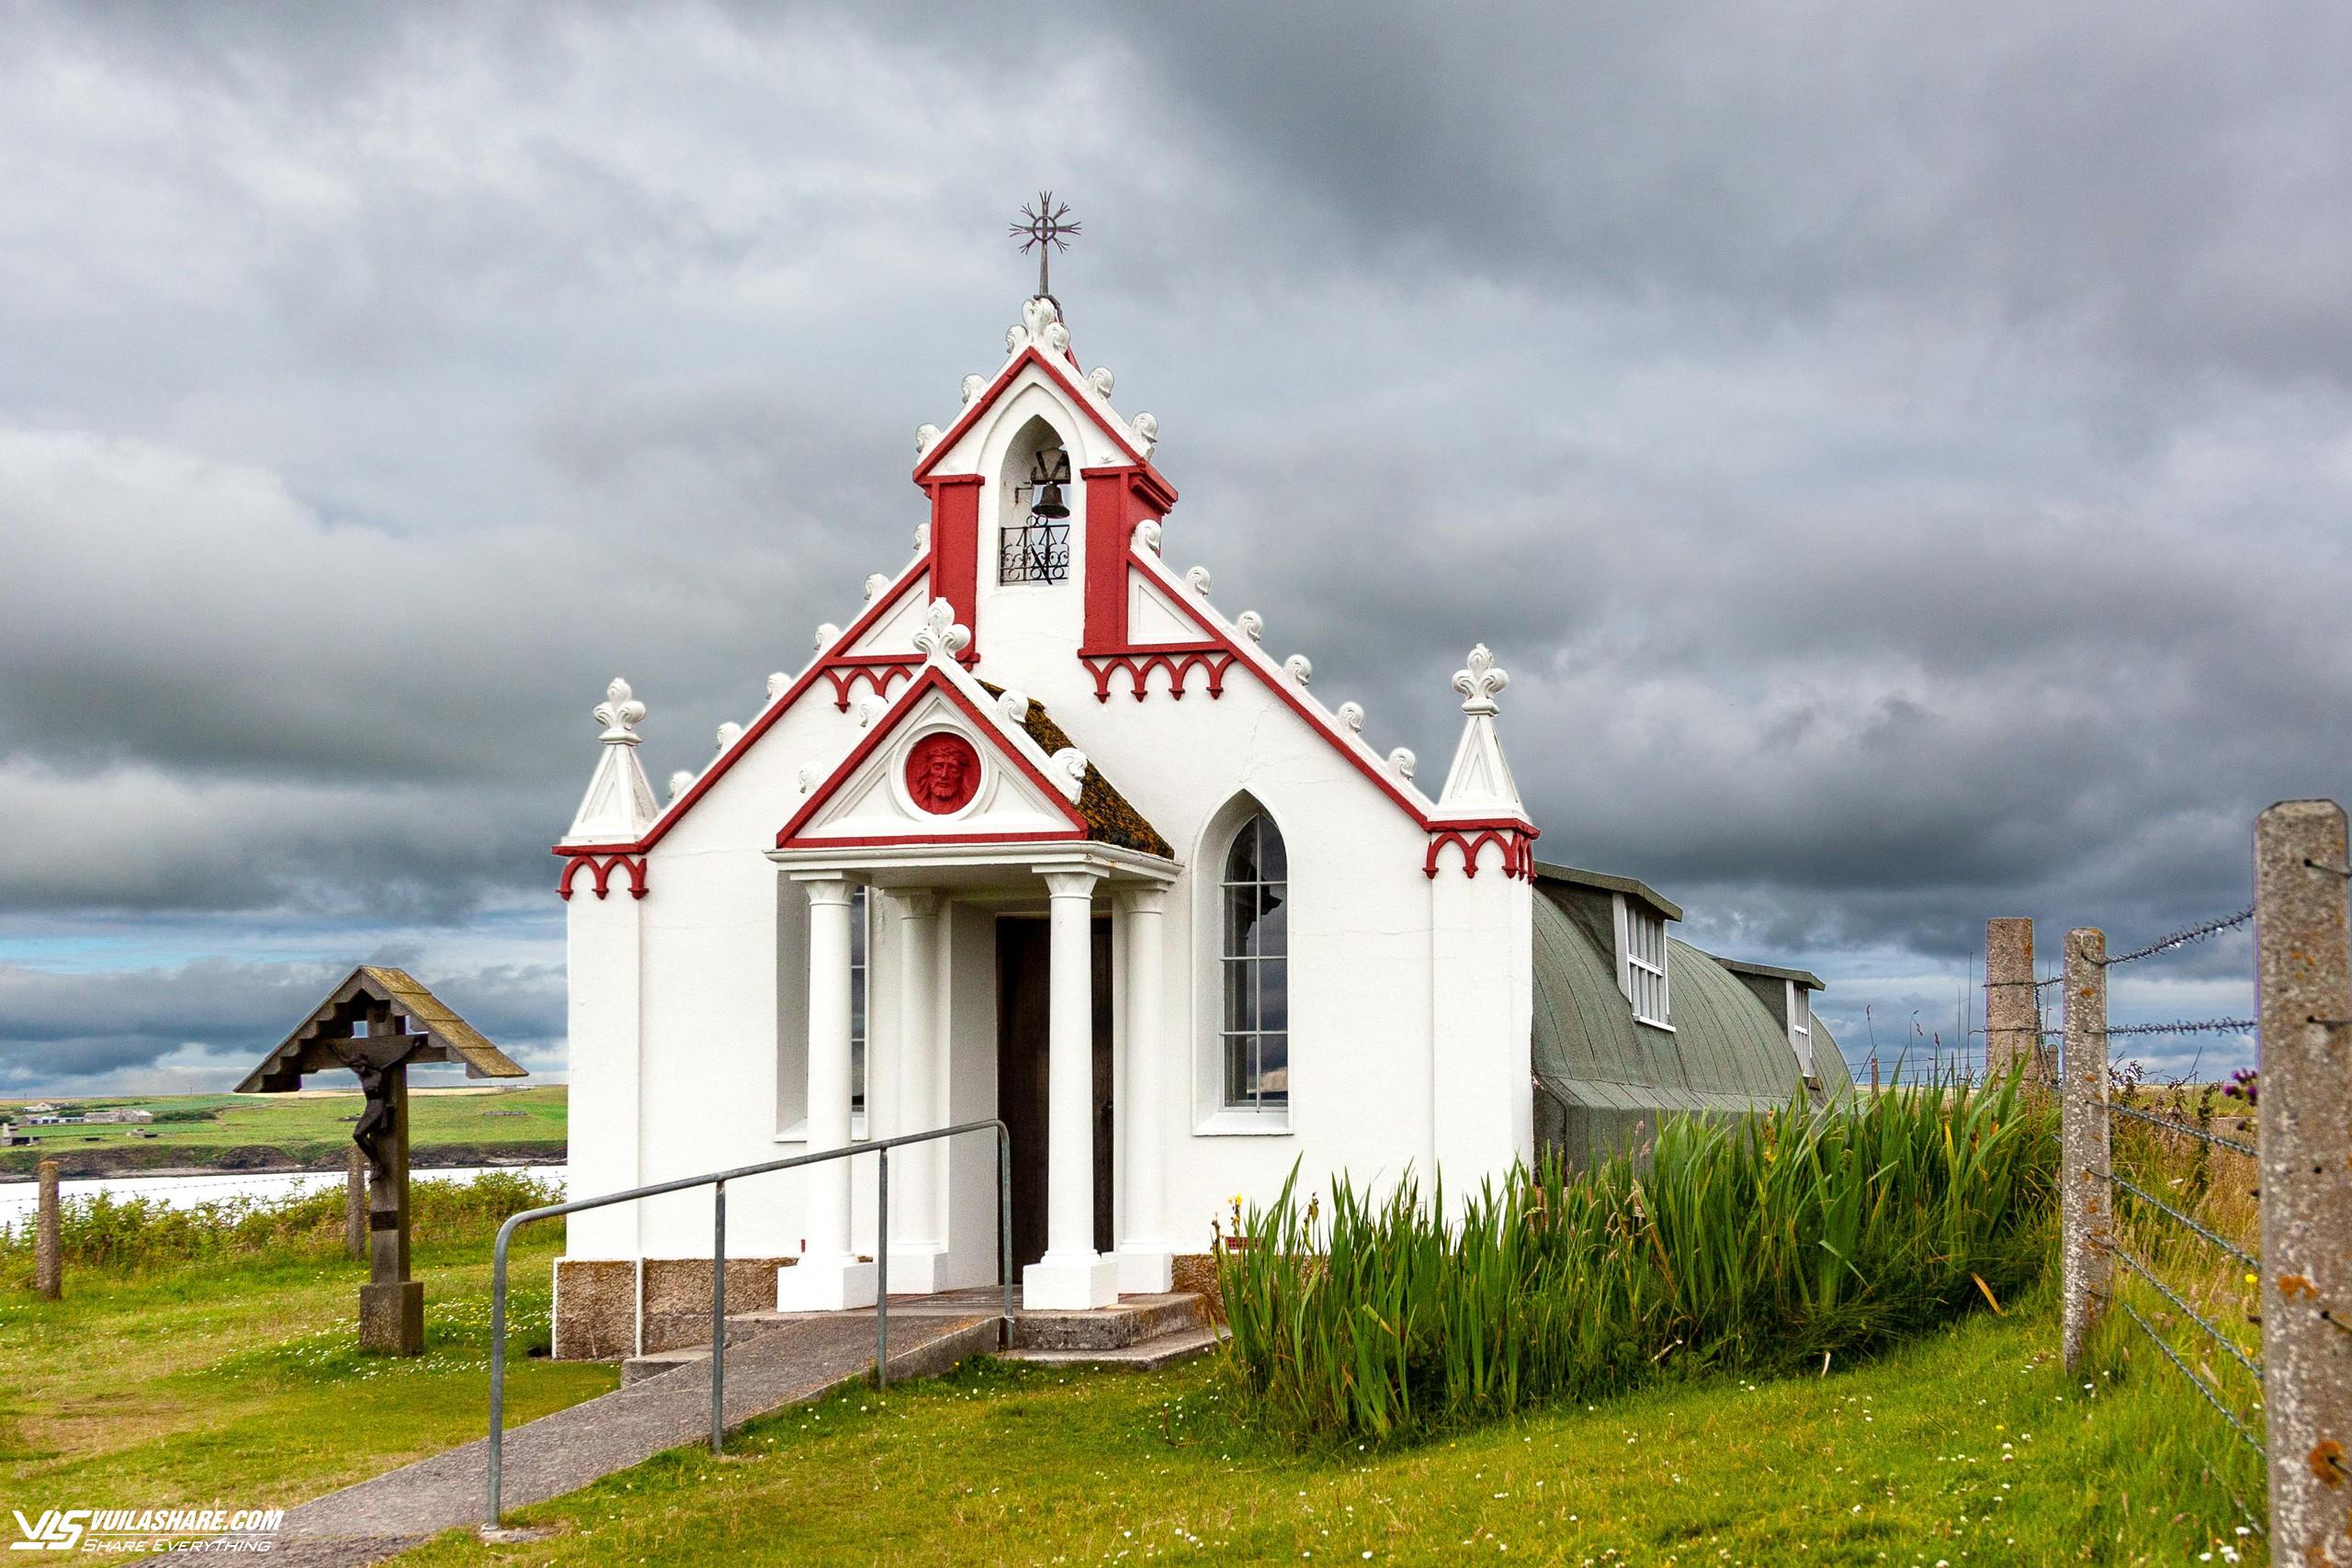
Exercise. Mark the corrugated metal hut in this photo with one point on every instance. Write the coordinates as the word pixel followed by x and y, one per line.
pixel 1631 1025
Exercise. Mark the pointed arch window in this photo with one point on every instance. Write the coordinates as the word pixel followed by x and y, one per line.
pixel 1256 966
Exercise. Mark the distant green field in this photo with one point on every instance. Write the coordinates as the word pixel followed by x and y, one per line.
pixel 238 1131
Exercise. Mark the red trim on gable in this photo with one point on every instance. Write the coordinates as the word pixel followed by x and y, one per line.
pixel 1179 658
pixel 956 549
pixel 1031 355
pixel 577 857
pixel 1280 687
pixel 937 840
pixel 878 672
pixel 768 715
pixel 1516 840
pixel 1116 500
pixel 930 680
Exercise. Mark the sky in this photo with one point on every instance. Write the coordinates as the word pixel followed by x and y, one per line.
pixel 1902 454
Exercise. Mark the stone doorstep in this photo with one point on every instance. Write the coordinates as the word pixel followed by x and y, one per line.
pixel 1145 1356
pixel 1132 1321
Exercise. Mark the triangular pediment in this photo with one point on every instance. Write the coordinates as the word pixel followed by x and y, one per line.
pixel 893 632
pixel 942 763
pixel 1037 354
pixel 1153 617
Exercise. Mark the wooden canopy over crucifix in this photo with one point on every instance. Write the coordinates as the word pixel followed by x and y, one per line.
pixel 375 1025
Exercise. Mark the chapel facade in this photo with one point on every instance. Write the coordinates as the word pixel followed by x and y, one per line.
pixel 1040 833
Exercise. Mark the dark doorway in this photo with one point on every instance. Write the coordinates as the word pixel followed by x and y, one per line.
pixel 1023 961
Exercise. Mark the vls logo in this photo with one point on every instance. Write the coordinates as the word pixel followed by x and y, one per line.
pixel 55 1531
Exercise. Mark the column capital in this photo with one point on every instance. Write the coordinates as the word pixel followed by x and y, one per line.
pixel 1072 882
pixel 824 887
pixel 1148 899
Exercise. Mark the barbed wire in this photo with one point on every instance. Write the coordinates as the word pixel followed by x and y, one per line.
pixel 2153 1201
pixel 2177 1126
pixel 2199 1383
pixel 2253 1369
pixel 2183 938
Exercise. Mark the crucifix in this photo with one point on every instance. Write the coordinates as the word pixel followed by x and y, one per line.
pixel 364 1027
pixel 1042 229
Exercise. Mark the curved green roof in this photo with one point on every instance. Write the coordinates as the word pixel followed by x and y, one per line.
pixel 1603 1074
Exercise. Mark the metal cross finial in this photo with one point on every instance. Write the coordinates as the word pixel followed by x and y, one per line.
pixel 1048 222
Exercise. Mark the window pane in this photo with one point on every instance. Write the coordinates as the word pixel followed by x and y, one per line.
pixel 1273 1068
pixel 1241 861
pixel 1241 919
pixel 1273 861
pixel 1239 1087
pixel 1241 994
pixel 1273 993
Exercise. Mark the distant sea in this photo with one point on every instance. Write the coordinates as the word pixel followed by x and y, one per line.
pixel 17 1198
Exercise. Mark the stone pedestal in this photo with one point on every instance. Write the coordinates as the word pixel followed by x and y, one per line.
pixel 391 1318
pixel 824 1284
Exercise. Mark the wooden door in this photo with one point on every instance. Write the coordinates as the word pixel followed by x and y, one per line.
pixel 1023 949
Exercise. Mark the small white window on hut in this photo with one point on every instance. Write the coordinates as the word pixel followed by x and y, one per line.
pixel 1800 1026
pixel 1641 969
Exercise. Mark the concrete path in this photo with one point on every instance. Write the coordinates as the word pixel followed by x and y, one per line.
pixel 799 1360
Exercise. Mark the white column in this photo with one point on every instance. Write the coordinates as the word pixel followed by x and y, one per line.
pixel 918 1238
pixel 1071 1275
pixel 1146 1261
pixel 828 1275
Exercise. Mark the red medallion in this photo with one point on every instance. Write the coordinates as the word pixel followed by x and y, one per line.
pixel 943 773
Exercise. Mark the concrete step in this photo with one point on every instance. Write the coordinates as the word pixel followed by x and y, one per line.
pixel 1133 1321
pixel 1144 1356
pixel 741 1327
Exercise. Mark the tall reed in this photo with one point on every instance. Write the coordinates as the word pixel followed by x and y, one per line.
pixel 1756 1245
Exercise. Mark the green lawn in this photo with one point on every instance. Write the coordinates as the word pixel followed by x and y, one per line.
pixel 1967 1447
pixel 236 1384
pixel 304 1129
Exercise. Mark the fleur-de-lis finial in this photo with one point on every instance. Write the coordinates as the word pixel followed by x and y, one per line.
pixel 1480 683
pixel 620 712
pixel 939 637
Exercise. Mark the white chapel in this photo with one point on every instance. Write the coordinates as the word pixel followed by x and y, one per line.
pixel 1040 833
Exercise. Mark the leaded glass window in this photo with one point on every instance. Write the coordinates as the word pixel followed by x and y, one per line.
pixel 1256 963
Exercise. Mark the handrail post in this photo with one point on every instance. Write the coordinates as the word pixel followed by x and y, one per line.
pixel 498 1362
pixel 882 1267
pixel 1004 1229
pixel 718 1317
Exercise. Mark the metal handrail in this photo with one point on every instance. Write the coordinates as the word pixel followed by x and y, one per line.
pixel 717 1181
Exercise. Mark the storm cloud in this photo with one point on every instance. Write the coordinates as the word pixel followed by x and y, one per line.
pixel 1902 457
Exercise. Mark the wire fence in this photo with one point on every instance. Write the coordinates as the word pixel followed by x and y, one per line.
pixel 2213 1215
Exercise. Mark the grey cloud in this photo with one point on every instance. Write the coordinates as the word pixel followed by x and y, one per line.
pixel 1898 456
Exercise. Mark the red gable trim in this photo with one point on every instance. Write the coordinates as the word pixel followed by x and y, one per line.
pixel 760 725
pixel 930 680
pixel 1281 688
pixel 1030 355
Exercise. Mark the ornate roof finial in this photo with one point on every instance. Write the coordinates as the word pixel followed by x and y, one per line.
pixel 620 712
pixel 939 637
pixel 1042 230
pixel 1480 683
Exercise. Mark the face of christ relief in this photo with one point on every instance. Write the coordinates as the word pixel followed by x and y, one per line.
pixel 943 773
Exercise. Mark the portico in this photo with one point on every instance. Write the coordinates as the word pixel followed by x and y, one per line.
pixel 913 1059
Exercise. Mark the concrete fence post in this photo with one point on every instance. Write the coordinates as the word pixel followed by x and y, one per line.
pixel 355 1204
pixel 2012 1016
pixel 2303 1001
pixel 49 1245
pixel 2085 1199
